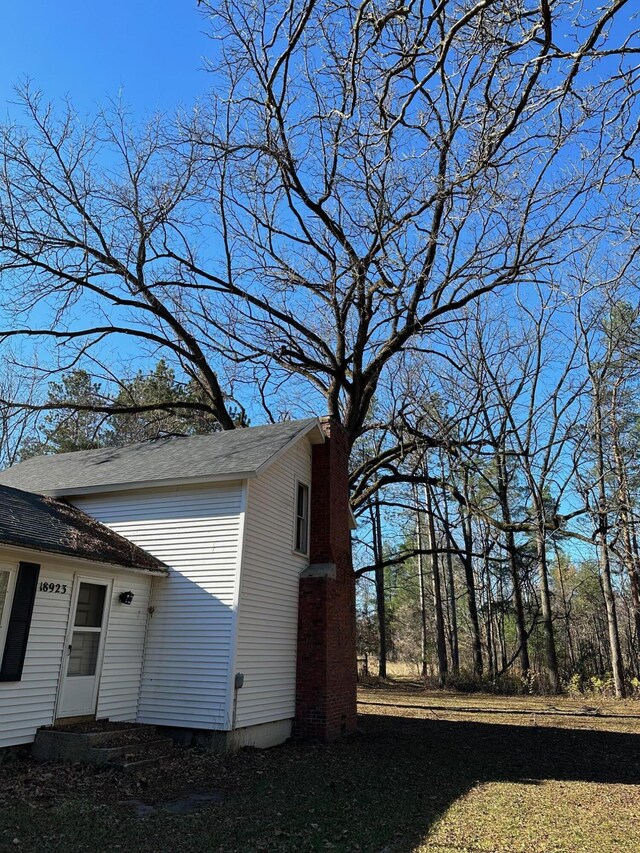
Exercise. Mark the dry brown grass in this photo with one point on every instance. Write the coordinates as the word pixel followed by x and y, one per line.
pixel 408 698
pixel 573 789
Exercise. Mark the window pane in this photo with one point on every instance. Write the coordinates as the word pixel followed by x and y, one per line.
pixel 302 517
pixel 84 653
pixel 302 500
pixel 4 586
pixel 90 605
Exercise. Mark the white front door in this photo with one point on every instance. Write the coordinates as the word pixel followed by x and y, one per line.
pixel 85 643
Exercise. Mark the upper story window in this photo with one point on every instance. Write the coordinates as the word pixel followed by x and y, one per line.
pixel 302 518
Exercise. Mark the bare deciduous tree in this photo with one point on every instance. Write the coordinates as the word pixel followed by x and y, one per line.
pixel 358 177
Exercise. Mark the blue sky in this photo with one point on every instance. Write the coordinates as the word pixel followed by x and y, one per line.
pixel 149 52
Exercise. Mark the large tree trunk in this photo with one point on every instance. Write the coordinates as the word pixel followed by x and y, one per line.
pixel 500 623
pixel 422 589
pixel 441 645
pixel 512 557
pixel 612 620
pixel 603 550
pixel 451 590
pixel 488 627
pixel 380 591
pixel 547 613
pixel 470 582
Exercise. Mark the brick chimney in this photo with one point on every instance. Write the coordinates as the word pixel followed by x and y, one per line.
pixel 326 664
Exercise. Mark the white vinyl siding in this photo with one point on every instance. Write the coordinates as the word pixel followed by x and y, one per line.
pixel 269 588
pixel 124 649
pixel 195 531
pixel 27 704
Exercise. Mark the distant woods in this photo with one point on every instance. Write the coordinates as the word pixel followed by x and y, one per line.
pixel 509 528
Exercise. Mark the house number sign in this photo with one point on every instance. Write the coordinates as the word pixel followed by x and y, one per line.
pixel 48 586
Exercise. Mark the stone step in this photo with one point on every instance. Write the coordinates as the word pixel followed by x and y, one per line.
pixel 140 758
pixel 66 745
pixel 112 754
pixel 141 763
pixel 135 733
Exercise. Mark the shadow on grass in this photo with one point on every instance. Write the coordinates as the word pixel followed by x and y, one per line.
pixel 425 765
pixel 388 786
pixel 382 788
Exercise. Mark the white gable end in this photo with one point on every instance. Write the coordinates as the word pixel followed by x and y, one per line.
pixel 189 649
pixel 269 589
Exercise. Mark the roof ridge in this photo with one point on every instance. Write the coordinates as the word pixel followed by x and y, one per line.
pixel 167 460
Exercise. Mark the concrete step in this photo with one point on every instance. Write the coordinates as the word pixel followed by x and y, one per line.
pixel 135 733
pixel 141 763
pixel 139 758
pixel 115 754
pixel 66 745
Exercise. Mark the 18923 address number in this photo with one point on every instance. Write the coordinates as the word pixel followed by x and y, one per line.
pixel 60 588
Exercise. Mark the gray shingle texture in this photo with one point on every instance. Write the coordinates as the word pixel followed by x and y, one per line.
pixel 46 524
pixel 218 455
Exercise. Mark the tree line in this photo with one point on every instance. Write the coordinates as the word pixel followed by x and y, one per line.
pixel 520 524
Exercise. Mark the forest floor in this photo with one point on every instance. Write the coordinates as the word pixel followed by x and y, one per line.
pixel 429 771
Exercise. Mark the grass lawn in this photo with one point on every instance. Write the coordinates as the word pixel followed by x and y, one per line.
pixel 430 771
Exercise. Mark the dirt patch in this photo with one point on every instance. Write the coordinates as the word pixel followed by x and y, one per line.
pixel 52 785
pixel 190 802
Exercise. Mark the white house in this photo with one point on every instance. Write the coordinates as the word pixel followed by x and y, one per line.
pixel 214 596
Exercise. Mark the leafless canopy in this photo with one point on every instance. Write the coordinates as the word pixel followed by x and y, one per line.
pixel 360 174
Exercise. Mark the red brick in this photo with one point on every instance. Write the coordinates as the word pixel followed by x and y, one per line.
pixel 326 665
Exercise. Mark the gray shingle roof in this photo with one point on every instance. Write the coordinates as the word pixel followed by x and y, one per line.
pixel 46 524
pixel 223 455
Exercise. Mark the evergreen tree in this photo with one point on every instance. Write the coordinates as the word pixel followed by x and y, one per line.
pixel 67 428
pixel 71 424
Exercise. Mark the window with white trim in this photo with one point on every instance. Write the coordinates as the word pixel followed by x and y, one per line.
pixel 302 518
pixel 6 595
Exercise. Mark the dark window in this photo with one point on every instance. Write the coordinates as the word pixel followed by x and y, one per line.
pixel 302 518
pixel 15 646
pixel 90 605
pixel 7 579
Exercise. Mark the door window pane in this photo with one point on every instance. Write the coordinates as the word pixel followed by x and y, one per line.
pixel 90 605
pixel 84 653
